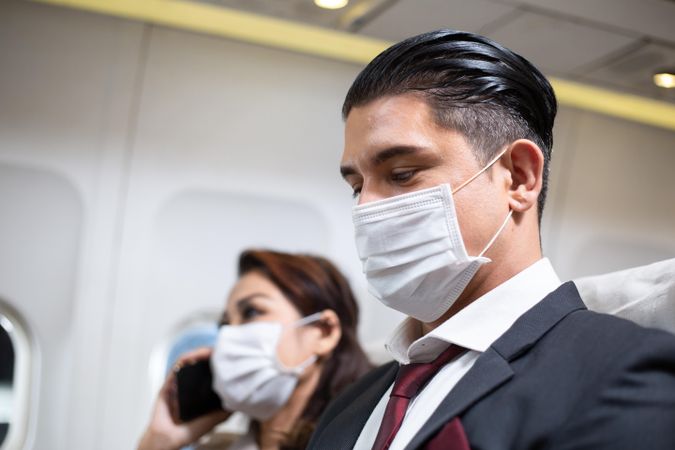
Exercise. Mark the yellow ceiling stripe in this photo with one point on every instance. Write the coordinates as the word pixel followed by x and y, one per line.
pixel 611 103
pixel 342 46
pixel 258 29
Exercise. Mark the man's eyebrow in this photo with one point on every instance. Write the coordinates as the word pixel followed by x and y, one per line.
pixel 381 157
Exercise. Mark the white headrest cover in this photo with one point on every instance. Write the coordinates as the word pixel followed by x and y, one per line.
pixel 645 294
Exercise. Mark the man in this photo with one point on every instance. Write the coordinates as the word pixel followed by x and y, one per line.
pixel 447 145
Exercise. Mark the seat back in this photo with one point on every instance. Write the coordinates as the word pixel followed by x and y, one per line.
pixel 645 294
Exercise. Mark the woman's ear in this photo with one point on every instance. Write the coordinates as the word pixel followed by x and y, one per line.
pixel 331 332
pixel 525 161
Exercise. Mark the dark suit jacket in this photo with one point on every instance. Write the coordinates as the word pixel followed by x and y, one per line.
pixel 561 377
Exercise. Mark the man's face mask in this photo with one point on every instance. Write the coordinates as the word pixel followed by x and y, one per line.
pixel 412 250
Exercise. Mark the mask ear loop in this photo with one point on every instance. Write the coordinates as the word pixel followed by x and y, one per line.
pixel 499 231
pixel 489 164
pixel 297 370
pixel 476 175
pixel 307 320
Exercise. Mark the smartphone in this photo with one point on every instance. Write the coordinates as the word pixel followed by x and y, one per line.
pixel 194 393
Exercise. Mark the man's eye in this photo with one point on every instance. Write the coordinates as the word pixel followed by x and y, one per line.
pixel 356 191
pixel 403 176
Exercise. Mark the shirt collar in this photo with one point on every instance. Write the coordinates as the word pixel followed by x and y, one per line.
pixel 478 325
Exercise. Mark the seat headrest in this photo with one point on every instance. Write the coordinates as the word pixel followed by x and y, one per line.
pixel 645 294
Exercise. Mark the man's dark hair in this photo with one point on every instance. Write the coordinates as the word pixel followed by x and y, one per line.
pixel 474 85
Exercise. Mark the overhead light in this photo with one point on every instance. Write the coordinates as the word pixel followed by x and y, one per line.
pixel 331 4
pixel 665 79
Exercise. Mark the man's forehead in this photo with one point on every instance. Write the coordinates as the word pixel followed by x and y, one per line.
pixel 395 121
pixel 389 111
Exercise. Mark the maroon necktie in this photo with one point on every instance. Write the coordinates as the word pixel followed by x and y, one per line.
pixel 410 379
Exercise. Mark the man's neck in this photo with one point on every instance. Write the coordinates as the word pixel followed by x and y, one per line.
pixel 483 282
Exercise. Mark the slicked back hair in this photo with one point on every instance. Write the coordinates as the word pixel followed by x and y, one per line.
pixel 474 85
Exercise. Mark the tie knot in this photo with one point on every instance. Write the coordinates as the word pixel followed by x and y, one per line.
pixel 412 377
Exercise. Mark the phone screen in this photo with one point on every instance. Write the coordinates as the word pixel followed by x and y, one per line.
pixel 195 395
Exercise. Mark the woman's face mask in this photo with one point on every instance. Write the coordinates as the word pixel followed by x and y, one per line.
pixel 262 348
pixel 247 373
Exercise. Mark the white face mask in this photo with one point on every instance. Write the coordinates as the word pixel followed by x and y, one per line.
pixel 247 374
pixel 412 250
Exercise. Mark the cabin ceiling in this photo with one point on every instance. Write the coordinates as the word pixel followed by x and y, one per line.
pixel 616 44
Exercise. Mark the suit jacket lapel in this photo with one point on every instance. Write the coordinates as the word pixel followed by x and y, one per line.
pixel 492 368
pixel 345 428
pixel 489 372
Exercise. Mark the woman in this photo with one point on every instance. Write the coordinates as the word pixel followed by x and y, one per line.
pixel 287 346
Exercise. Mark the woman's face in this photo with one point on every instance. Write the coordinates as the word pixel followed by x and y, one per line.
pixel 254 298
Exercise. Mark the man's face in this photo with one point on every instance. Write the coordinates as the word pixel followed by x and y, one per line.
pixel 393 146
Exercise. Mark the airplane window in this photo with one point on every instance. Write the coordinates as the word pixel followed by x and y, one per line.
pixel 196 336
pixel 15 357
pixel 197 331
pixel 6 380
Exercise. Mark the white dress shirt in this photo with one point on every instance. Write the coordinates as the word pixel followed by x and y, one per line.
pixel 475 328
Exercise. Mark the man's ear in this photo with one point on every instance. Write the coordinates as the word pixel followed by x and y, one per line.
pixel 331 332
pixel 525 160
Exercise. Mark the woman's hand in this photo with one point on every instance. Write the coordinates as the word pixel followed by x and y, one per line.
pixel 165 431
